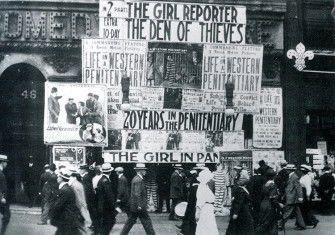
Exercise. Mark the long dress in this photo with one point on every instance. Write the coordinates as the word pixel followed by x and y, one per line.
pixel 205 201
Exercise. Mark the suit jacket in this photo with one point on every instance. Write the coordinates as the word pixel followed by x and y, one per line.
pixel 83 115
pixel 138 194
pixel 88 188
pixel 177 186
pixel 293 189
pixel 45 177
pixel 71 110
pixel 3 185
pixel 63 212
pixel 123 191
pixel 105 198
pixel 79 192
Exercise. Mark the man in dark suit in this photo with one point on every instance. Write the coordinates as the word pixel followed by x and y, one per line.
pixel 138 203
pixel 122 191
pixel 176 189
pixel 4 204
pixel 83 113
pixel 71 111
pixel 89 194
pixel 30 181
pixel 53 106
pixel 64 213
pixel 106 201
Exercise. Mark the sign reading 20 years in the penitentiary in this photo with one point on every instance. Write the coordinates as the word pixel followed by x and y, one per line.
pixel 172 22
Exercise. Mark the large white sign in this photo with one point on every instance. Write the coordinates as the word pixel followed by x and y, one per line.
pixel 268 124
pixel 172 22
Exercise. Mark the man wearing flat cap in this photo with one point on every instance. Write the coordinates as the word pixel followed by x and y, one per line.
pixel 4 204
pixel 64 213
pixel 106 201
pixel 138 203
pixel 71 111
pixel 122 191
pixel 176 189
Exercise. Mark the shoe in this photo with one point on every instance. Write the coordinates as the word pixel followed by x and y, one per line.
pixel 315 223
pixel 42 223
pixel 299 228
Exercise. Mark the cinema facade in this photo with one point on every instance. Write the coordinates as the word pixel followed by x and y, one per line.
pixel 41 41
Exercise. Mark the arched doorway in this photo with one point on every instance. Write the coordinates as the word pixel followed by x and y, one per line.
pixel 21 122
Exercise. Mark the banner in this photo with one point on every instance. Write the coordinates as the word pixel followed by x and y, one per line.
pixel 106 61
pixel 177 120
pixel 75 114
pixel 268 124
pixel 271 157
pixel 160 157
pixel 239 64
pixel 172 22
pixel 68 155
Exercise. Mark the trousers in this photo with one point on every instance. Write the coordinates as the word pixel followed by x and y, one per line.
pixel 4 210
pixel 145 220
pixel 288 210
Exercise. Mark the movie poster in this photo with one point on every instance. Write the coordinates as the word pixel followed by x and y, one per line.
pixel 239 64
pixel 116 63
pixel 75 114
pixel 142 140
pixel 236 158
pixel 192 100
pixel 174 65
pixel 68 155
pixel 268 124
pixel 214 101
pixel 232 140
pixel 188 141
pixel 153 98
pixel 172 22
pixel 173 98
pixel 271 157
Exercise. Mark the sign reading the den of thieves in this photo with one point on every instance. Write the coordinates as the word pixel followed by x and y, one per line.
pixel 172 22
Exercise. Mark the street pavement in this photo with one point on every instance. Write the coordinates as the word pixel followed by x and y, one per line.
pixel 24 222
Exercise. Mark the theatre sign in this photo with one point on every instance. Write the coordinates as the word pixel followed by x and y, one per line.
pixel 47 25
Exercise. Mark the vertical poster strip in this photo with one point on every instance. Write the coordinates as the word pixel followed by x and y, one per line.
pixel 268 124
pixel 239 64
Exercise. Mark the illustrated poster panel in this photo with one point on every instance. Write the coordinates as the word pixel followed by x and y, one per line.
pixel 271 157
pixel 174 65
pixel 68 155
pixel 239 64
pixel 268 124
pixel 172 22
pixel 75 114
pixel 236 158
pixel 114 62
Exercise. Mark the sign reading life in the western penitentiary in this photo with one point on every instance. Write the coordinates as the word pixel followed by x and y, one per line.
pixel 173 22
pixel 75 114
pixel 268 124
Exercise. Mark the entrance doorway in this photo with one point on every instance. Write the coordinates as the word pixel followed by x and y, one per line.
pixel 21 123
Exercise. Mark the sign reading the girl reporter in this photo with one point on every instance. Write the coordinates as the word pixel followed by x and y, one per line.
pixel 239 64
pixel 75 114
pixel 105 61
pixel 268 124
pixel 172 22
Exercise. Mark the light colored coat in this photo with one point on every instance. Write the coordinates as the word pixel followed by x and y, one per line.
pixel 79 192
pixel 293 189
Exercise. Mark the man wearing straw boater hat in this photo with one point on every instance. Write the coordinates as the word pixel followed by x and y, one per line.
pixel 138 203
pixel 64 213
pixel 4 205
pixel 106 201
pixel 176 189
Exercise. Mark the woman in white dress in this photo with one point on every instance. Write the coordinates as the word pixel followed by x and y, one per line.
pixel 205 206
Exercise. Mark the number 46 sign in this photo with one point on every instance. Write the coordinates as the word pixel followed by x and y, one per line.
pixel 29 94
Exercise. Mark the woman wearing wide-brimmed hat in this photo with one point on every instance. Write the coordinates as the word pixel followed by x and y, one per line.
pixel 205 206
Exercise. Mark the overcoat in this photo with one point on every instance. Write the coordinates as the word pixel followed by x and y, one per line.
pixel 293 190
pixel 138 195
pixel 123 192
pixel 105 199
pixel 176 186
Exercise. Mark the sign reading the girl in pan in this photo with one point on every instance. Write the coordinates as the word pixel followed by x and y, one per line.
pixel 172 22
pixel 75 114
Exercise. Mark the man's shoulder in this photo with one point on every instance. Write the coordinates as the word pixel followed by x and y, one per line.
pixel 137 179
